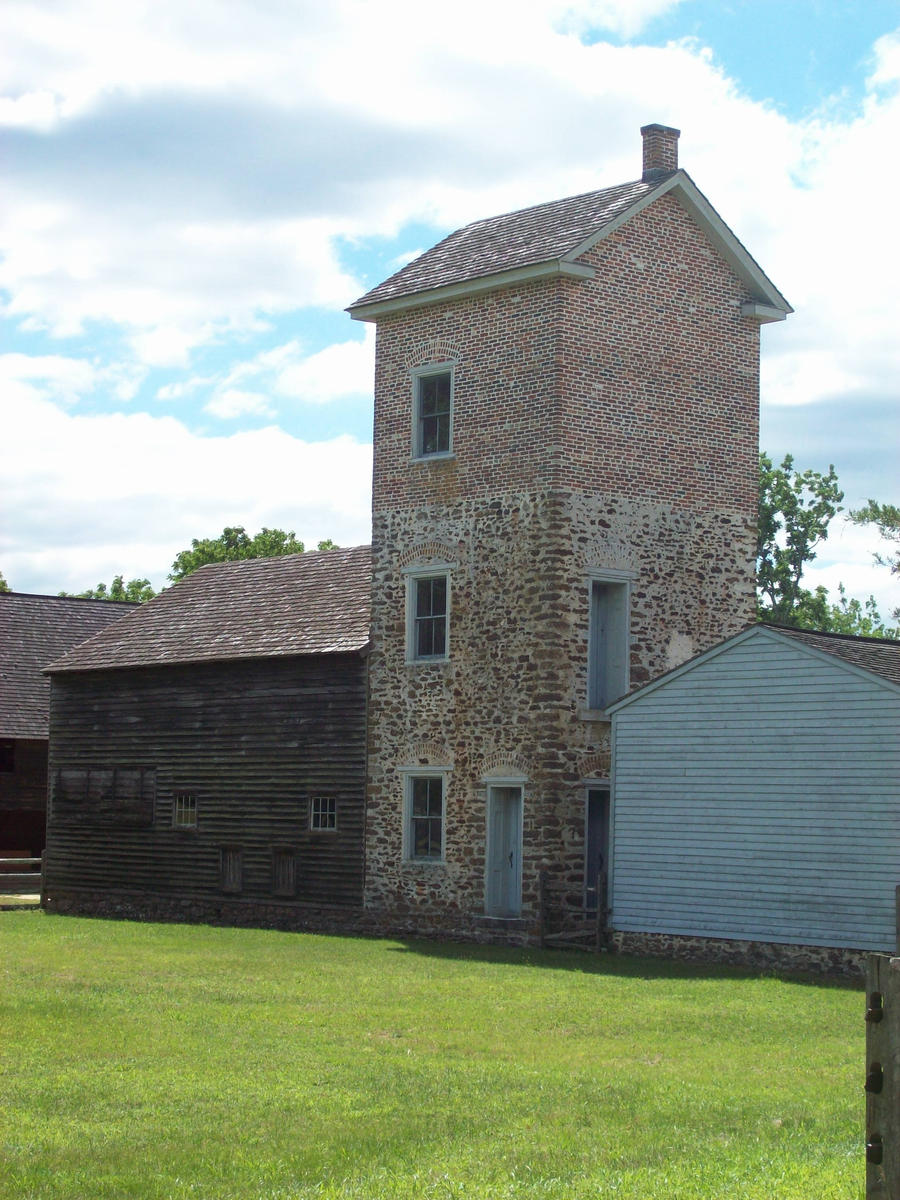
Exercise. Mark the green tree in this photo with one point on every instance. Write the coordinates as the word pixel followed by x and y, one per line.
pixel 4 586
pixel 795 509
pixel 135 591
pixel 886 518
pixel 233 545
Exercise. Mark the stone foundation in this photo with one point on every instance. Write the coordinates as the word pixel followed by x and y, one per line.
pixel 773 956
pixel 299 918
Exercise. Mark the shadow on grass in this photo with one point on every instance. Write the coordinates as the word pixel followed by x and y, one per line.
pixel 626 966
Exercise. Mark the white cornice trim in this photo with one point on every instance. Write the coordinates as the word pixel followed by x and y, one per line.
pixel 762 313
pixel 470 287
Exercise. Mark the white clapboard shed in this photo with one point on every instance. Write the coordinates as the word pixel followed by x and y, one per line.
pixel 756 794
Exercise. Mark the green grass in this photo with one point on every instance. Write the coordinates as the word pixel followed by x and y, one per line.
pixel 171 1061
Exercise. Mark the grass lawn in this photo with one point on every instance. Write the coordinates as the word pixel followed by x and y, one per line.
pixel 172 1061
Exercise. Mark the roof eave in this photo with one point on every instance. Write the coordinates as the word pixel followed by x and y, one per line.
pixel 768 304
pixel 470 287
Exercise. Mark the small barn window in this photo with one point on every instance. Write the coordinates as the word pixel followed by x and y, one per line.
pixel 185 811
pixel 608 649
pixel 323 813
pixel 231 866
pixel 284 871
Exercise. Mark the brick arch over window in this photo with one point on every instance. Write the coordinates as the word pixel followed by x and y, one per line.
pixel 425 552
pixel 503 763
pixel 433 350
pixel 594 766
pixel 428 754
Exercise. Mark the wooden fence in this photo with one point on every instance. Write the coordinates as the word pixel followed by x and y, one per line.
pixel 20 875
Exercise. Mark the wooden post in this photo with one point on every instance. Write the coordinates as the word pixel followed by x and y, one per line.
pixel 897 919
pixel 882 1077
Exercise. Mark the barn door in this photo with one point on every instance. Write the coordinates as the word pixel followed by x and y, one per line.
pixel 596 846
pixel 503 884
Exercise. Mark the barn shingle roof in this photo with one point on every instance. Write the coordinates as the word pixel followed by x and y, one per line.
pixel 35 630
pixel 315 603
pixel 542 233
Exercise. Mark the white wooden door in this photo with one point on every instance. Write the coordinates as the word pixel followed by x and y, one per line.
pixel 503 890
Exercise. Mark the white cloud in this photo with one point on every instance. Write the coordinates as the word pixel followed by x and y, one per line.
pixel 88 497
pixel 346 369
pixel 231 402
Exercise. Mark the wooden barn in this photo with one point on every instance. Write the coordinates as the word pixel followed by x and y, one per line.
pixel 208 753
pixel 34 630
pixel 756 799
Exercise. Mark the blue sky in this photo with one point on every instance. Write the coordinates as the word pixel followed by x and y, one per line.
pixel 195 191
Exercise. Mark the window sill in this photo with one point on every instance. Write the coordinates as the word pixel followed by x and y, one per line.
pixel 444 456
pixel 599 716
pixel 428 863
pixel 428 662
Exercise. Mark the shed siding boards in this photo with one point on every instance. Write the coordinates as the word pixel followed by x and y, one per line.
pixel 757 797
pixel 254 741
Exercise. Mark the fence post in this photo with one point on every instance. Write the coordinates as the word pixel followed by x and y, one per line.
pixel 882 1077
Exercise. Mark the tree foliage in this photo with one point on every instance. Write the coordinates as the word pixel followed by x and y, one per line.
pixel 795 510
pixel 886 518
pixel 233 545
pixel 135 591
pixel 4 586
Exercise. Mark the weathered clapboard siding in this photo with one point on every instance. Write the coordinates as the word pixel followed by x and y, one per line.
pixel 757 796
pixel 254 741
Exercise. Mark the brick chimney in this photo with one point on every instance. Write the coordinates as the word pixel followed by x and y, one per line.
pixel 660 151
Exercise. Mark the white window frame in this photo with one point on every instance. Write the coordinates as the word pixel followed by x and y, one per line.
pixel 409 775
pixel 418 374
pixel 184 803
pixel 329 812
pixel 608 680
pixel 414 575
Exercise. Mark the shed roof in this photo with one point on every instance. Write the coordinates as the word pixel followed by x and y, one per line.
pixel 35 630
pixel 876 656
pixel 315 603
pixel 549 238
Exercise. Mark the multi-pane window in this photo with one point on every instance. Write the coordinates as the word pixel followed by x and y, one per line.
pixel 323 813
pixel 425 816
pixel 429 616
pixel 185 811
pixel 434 406
pixel 608 642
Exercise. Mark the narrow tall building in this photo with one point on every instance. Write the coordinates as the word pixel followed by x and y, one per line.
pixel 564 506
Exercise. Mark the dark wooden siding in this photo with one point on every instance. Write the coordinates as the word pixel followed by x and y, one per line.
pixel 253 742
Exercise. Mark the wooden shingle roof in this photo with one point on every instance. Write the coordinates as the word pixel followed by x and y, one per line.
pixel 524 238
pixel 315 603
pixel 550 239
pixel 35 630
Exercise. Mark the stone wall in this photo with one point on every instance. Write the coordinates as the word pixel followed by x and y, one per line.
pixel 767 956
